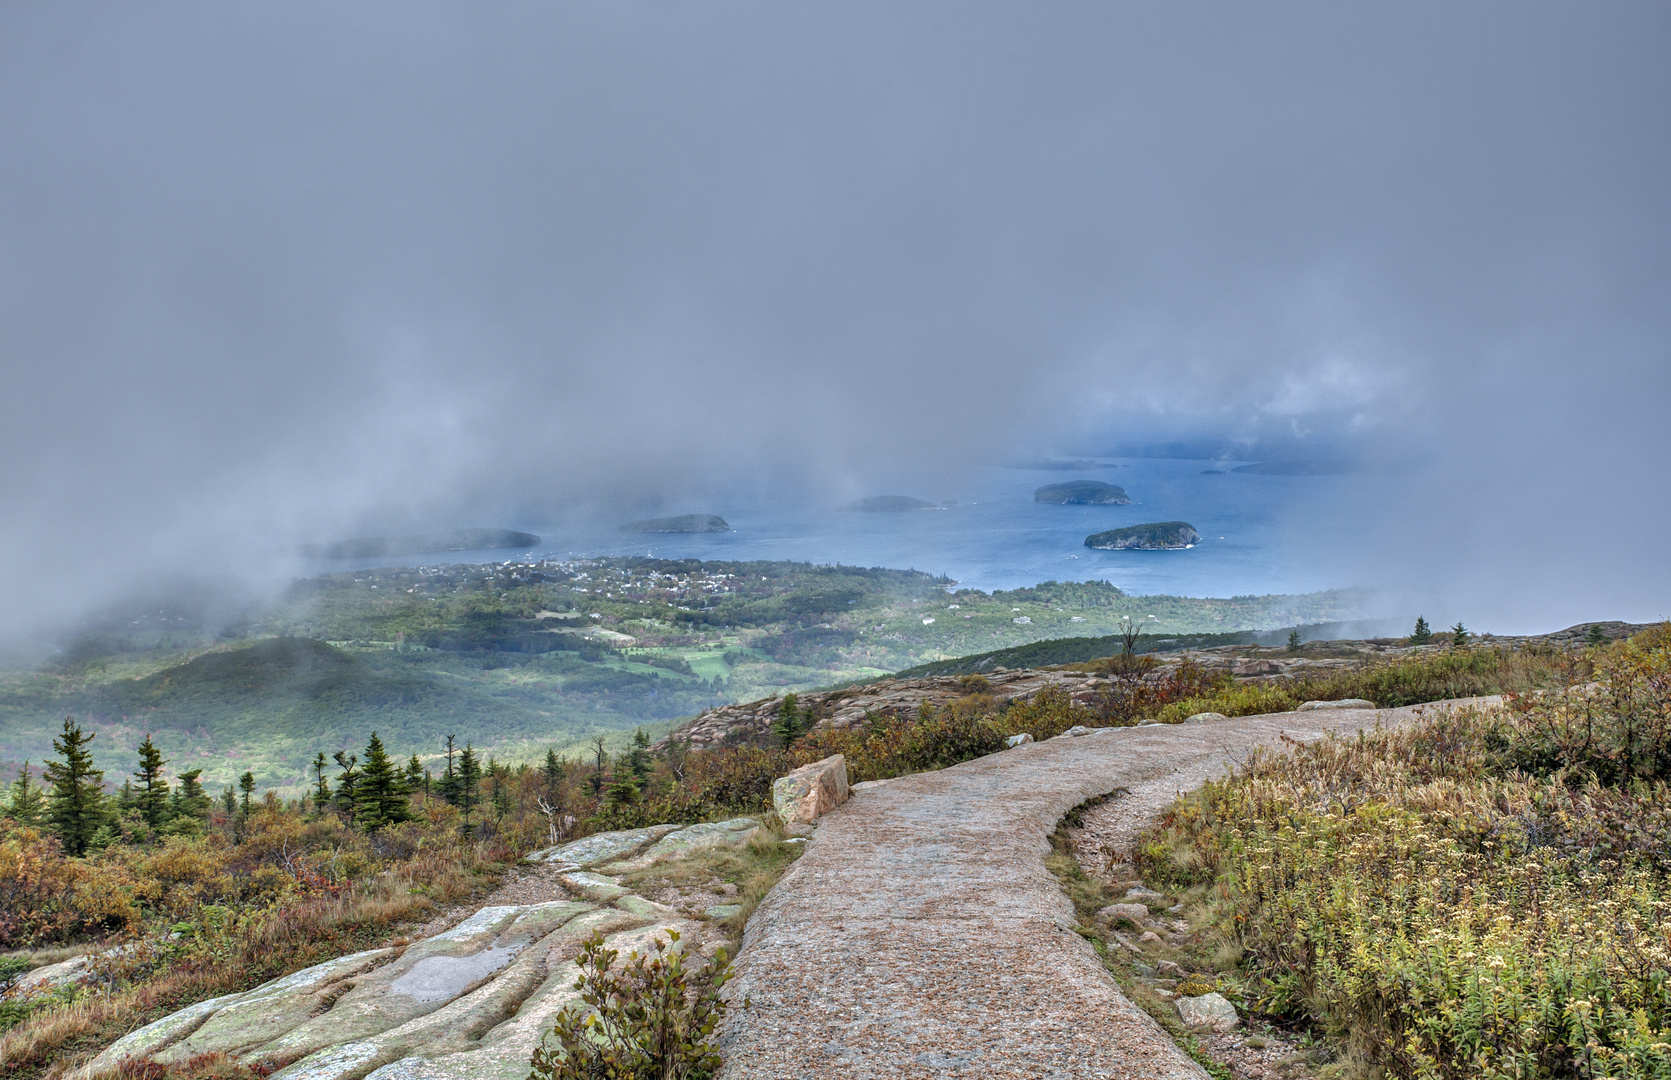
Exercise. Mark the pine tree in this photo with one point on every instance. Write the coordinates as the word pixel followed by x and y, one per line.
pixel 501 798
pixel 1596 636
pixel 415 775
pixel 229 801
pixel 596 779
pixel 1423 633
pixel 1459 634
pixel 190 801
pixel 638 758
pixel 552 771
pixel 382 791
pixel 791 722
pixel 348 785
pixel 469 781
pixel 448 787
pixel 321 786
pixel 246 785
pixel 26 806
pixel 1293 641
pixel 153 793
pixel 623 790
pixel 75 808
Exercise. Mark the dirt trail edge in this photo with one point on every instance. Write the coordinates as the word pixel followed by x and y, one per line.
pixel 921 935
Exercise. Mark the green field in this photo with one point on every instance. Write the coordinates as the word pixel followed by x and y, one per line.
pixel 518 657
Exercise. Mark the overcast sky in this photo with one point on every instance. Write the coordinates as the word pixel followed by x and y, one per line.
pixel 275 272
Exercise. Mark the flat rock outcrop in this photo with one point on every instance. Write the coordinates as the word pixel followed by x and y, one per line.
pixel 471 1002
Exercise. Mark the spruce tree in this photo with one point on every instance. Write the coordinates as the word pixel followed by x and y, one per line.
pixel 1423 633
pixel 75 807
pixel 448 787
pixel 26 806
pixel 153 789
pixel 638 758
pixel 1459 634
pixel 552 771
pixel 348 784
pixel 469 781
pixel 246 785
pixel 415 775
pixel 382 790
pixel 321 786
pixel 190 801
pixel 229 801
pixel 1596 636
pixel 596 779
pixel 1293 641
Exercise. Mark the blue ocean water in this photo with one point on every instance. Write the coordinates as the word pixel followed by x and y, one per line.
pixel 1261 534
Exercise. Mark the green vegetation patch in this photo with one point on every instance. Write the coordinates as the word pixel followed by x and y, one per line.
pixel 1481 893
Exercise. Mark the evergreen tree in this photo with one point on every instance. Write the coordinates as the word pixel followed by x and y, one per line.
pixel 153 789
pixel 26 806
pixel 1423 633
pixel 552 771
pixel 348 784
pixel 638 758
pixel 596 779
pixel 469 781
pixel 792 722
pixel 382 790
pixel 124 797
pixel 1459 634
pixel 623 790
pixel 190 801
pixel 75 807
pixel 1596 636
pixel 321 786
pixel 500 775
pixel 415 775
pixel 1293 641
pixel 246 784
pixel 229 801
pixel 448 787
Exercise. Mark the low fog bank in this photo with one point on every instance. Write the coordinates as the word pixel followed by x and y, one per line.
pixel 276 276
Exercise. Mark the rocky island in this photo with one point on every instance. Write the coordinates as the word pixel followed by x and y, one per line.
pixel 1082 493
pixel 1155 536
pixel 684 523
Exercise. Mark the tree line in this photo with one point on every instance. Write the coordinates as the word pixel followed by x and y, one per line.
pixel 370 792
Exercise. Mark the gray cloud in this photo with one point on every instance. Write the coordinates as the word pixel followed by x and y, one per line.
pixel 269 273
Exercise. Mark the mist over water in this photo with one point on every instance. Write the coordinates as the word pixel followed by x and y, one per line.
pixel 272 276
pixel 992 535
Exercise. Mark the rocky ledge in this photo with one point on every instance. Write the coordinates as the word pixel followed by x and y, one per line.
pixel 471 1002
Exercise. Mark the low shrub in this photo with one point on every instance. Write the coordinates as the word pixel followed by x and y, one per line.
pixel 1483 893
pixel 650 1020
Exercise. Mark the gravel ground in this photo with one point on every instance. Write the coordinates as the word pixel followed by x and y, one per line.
pixel 922 936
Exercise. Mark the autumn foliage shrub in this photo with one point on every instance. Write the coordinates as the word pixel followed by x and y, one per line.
pixel 1481 893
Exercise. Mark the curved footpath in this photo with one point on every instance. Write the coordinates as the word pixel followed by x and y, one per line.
pixel 921 935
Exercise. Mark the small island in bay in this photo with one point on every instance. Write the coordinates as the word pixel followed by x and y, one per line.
pixel 893 504
pixel 372 547
pixel 684 523
pixel 1155 536
pixel 1082 493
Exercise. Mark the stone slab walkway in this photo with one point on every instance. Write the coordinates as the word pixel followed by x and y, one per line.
pixel 921 935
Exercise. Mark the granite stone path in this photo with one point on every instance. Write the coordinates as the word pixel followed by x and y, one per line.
pixel 922 936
